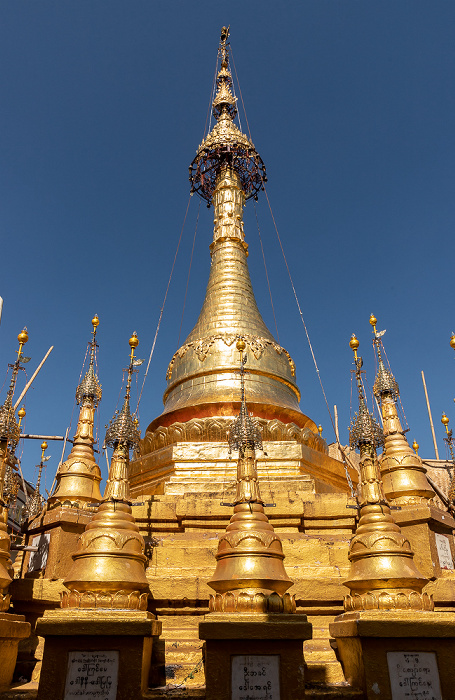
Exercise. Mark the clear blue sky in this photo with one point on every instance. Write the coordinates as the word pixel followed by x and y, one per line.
pixel 352 108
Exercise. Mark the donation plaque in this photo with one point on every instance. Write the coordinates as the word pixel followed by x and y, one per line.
pixel 414 675
pixel 92 674
pixel 255 677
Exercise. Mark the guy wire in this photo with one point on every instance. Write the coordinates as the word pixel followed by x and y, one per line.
pixel 189 272
pixel 162 307
pixel 266 272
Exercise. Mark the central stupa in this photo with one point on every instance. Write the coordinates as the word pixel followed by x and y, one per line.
pixel 202 378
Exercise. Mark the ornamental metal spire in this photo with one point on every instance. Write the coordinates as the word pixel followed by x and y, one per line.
pixel 90 388
pixel 244 431
pixel 364 429
pixel 123 435
pixel 226 145
pixel 35 503
pixel 9 429
pixel 383 574
pixel 402 469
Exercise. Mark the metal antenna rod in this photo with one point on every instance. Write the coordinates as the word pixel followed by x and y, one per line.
pixel 430 417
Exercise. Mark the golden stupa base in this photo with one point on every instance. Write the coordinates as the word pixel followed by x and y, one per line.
pixel 410 650
pixel 252 601
pixel 269 646
pixel 13 628
pixel 96 650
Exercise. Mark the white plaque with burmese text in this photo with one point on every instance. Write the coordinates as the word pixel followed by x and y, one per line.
pixel 444 553
pixel 92 674
pixel 414 675
pixel 255 677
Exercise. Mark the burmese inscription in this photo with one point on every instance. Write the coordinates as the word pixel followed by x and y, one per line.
pixel 255 677
pixel 414 675
pixel 91 675
pixel 444 553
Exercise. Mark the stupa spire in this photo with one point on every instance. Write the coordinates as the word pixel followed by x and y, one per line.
pixel 226 172
pixel 383 574
pixel 79 476
pixel 35 503
pixel 250 576
pixel 9 438
pixel 402 470
pixel 108 569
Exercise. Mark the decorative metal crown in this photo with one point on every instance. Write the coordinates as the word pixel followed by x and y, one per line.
pixel 123 428
pixel 89 387
pixel 365 429
pixel 244 431
pixel 385 382
pixel 9 428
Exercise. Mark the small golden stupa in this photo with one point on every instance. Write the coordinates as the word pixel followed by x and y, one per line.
pixel 250 575
pixel 402 471
pixel 383 575
pixel 108 569
pixel 79 476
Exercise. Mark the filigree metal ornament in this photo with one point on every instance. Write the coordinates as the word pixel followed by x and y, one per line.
pixel 385 382
pixel 89 388
pixel 123 428
pixel 226 145
pixel 244 431
pixel 364 429
pixel 9 428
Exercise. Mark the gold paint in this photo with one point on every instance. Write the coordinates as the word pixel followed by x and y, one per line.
pixel 202 370
pixel 402 471
pixel 415 447
pixel 250 575
pixel 108 569
pixel 383 574
pixel 78 477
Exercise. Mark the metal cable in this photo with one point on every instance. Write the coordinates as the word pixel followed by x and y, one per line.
pixel 162 307
pixel 266 273
pixel 189 272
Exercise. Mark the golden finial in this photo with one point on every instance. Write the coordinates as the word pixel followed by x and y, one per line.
pixel 21 414
pixel 320 430
pixel 133 341
pixel 240 345
pixel 373 322
pixel 445 422
pixel 452 341
pixel 43 449
pixel 23 337
pixel 415 447
pixel 354 344
pixel 95 322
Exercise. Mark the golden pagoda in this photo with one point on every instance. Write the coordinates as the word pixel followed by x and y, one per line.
pixel 250 575
pixel 182 475
pixel 108 569
pixel 383 574
pixel 402 471
pixel 79 476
